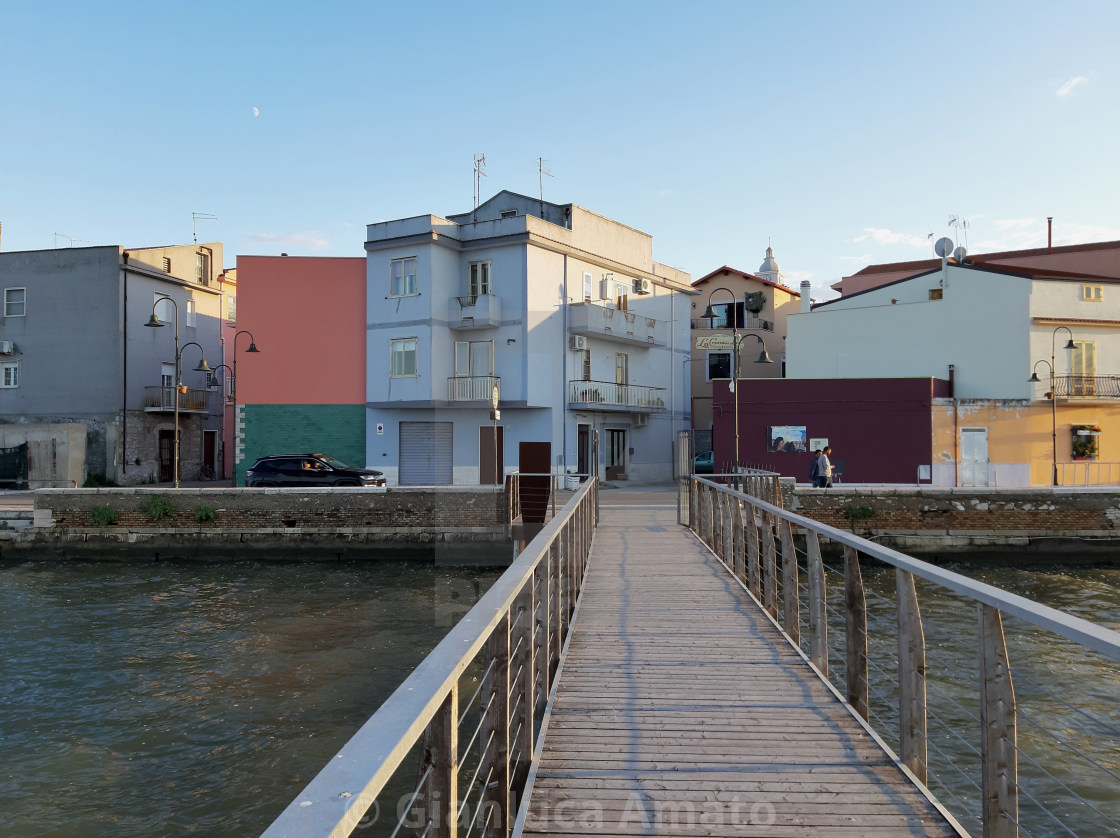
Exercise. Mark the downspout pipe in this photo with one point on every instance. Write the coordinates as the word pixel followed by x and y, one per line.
pixel 124 364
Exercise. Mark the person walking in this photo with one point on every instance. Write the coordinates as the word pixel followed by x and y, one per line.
pixel 814 468
pixel 824 468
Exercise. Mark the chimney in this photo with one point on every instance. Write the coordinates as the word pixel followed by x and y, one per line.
pixel 1049 232
pixel 806 303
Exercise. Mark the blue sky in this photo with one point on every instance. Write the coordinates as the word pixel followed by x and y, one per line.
pixel 843 133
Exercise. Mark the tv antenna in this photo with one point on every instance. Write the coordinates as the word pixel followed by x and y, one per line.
pixel 70 239
pixel 197 217
pixel 541 172
pixel 479 166
pixel 960 225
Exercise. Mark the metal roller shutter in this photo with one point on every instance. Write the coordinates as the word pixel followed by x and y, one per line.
pixel 426 449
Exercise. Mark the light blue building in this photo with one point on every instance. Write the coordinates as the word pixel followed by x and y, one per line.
pixel 559 314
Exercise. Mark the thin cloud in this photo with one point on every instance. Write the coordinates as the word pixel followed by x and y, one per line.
pixel 1012 223
pixel 798 276
pixel 310 241
pixel 1069 86
pixel 881 235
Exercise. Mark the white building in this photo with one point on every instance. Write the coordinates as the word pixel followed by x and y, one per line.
pixel 561 313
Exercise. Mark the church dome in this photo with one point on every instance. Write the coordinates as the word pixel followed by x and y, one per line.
pixel 770 264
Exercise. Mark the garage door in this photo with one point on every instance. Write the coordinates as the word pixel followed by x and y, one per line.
pixel 426 454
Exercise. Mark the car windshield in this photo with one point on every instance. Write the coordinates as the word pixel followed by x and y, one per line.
pixel 331 461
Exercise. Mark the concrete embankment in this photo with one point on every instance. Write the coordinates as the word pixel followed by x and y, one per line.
pixel 450 523
pixel 924 520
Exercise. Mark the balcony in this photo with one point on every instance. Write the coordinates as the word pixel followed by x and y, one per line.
pixel 475 311
pixel 615 324
pixel 748 323
pixel 472 388
pixel 1087 386
pixel 608 396
pixel 162 400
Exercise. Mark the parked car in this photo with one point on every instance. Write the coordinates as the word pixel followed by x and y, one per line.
pixel 309 470
pixel 704 463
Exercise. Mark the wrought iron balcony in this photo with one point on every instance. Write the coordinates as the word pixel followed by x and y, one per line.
pixel 606 395
pixel 472 388
pixel 162 400
pixel 745 323
pixel 1087 386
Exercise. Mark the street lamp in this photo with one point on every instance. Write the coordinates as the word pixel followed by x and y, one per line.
pixel 763 358
pixel 710 316
pixel 495 415
pixel 252 348
pixel 1053 394
pixel 155 322
pixel 214 380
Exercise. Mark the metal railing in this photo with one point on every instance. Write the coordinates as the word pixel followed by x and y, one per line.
pixel 777 556
pixel 472 388
pixel 1088 473
pixel 163 398
pixel 1090 386
pixel 609 394
pixel 702 323
pixel 473 756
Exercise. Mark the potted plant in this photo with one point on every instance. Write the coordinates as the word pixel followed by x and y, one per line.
pixel 1085 441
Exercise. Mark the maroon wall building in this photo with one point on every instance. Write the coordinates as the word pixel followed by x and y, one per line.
pixel 880 429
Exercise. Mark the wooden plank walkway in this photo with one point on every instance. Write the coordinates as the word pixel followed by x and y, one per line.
pixel 681 710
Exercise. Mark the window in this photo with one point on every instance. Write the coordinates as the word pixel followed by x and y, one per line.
pixel 621 369
pixel 724 312
pixel 191 314
pixel 1092 293
pixel 202 268
pixel 231 309
pixel 588 283
pixel 403 272
pixel 474 358
pixel 163 309
pixel 509 213
pixel 479 279
pixel 167 375
pixel 585 363
pixel 167 264
pixel 402 358
pixel 15 302
pixel 936 293
pixel 9 375
pixel 719 365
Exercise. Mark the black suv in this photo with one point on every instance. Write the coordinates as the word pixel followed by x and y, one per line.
pixel 309 470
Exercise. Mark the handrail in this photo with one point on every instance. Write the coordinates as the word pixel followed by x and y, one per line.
pixel 756 540
pixel 547 575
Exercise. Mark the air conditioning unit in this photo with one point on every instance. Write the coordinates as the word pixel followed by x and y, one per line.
pixel 577 343
pixel 7 347
pixel 641 420
pixel 643 286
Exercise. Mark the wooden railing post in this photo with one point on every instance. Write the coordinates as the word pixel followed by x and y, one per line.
pixel 495 729
pixel 998 722
pixel 555 635
pixel 855 630
pixel 769 568
pixel 818 601
pixel 791 614
pixel 753 553
pixel 540 635
pixel 738 566
pixel 911 677
pixel 727 530
pixel 522 676
pixel 443 788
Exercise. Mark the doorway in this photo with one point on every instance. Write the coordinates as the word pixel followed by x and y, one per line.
pixel 166 456
pixel 583 451
pixel 974 456
pixel 491 455
pixel 209 470
pixel 616 454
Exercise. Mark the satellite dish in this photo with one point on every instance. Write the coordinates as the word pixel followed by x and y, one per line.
pixel 959 254
pixel 943 247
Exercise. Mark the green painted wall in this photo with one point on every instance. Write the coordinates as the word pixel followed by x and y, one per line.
pixel 335 429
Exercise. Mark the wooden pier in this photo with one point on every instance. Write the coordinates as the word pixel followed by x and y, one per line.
pixel 681 709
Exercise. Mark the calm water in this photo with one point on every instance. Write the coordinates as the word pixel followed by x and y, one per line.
pixel 198 698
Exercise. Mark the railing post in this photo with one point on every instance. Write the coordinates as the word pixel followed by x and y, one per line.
pixel 540 635
pixel 855 630
pixel 443 788
pixel 911 677
pixel 522 670
pixel 753 553
pixel 556 638
pixel 998 724
pixel 791 614
pixel 738 566
pixel 726 532
pixel 769 568
pixel 818 601
pixel 495 729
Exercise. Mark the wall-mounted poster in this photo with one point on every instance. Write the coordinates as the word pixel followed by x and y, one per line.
pixel 788 438
pixel 818 443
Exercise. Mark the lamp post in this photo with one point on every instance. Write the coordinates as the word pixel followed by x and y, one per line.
pixel 1053 394
pixel 763 358
pixel 232 380
pixel 710 316
pixel 495 415
pixel 252 348
pixel 155 322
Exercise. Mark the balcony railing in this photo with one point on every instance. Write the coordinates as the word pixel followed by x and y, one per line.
pixel 475 311
pixel 162 399
pixel 723 323
pixel 606 395
pixel 1088 386
pixel 472 388
pixel 615 324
